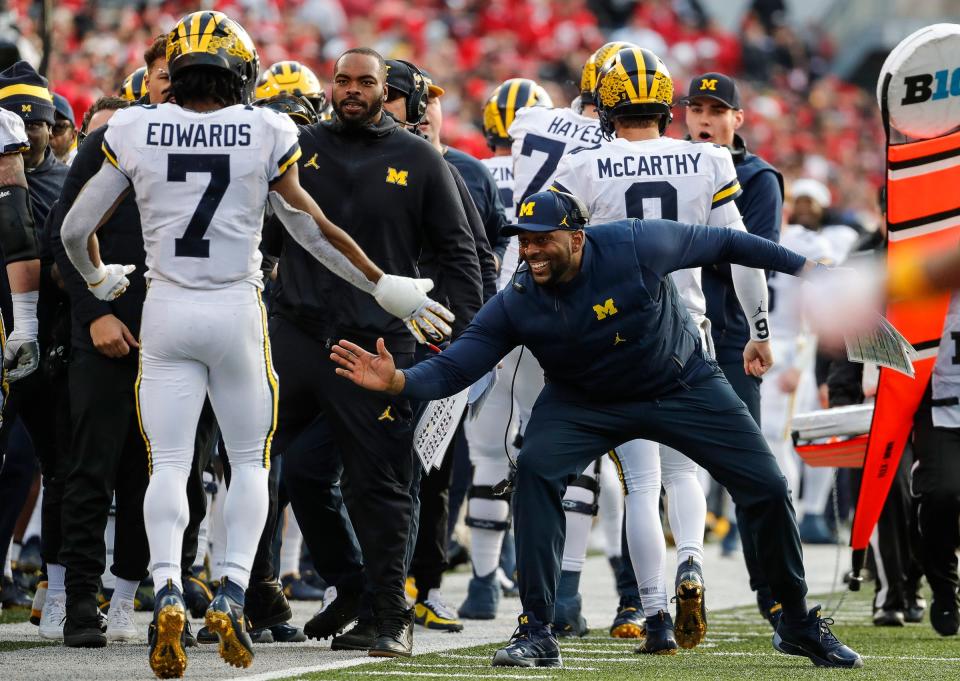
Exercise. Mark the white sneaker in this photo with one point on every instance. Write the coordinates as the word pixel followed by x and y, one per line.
pixel 120 624
pixel 52 616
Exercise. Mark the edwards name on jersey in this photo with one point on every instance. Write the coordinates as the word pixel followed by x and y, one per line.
pixel 201 217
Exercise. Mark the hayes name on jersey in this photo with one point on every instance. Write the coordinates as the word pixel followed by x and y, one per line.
pixel 589 133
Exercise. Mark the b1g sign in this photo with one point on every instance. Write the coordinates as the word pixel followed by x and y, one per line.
pixel 923 97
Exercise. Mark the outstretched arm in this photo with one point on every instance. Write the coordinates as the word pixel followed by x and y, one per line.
pixel 487 339
pixel 665 246
pixel 402 297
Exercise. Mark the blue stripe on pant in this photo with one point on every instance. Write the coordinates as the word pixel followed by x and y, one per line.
pixel 707 422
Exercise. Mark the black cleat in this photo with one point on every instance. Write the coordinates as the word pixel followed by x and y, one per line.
pixel 659 639
pixel 770 609
pixel 340 608
pixel 265 605
pixel 296 588
pixel 361 637
pixel 568 618
pixel 916 606
pixel 225 619
pixel 691 623
pixel 944 616
pixel 813 639
pixel 168 659
pixel 196 595
pixel 205 636
pixel 532 645
pixel 13 597
pixel 629 621
pixel 287 633
pixel 888 618
pixel 189 640
pixel 394 634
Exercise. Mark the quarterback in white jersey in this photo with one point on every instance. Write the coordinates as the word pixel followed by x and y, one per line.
pixel 202 170
pixel 641 174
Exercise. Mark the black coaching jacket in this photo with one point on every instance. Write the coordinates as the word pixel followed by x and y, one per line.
pixel 392 192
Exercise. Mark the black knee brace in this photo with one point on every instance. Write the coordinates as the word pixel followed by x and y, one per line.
pixel 486 492
pixel 588 482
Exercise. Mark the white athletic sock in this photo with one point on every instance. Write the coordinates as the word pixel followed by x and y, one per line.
pixel 648 549
pixel 290 545
pixel 578 530
pixel 203 531
pixel 245 514
pixel 165 514
pixel 485 545
pixel 7 567
pixel 218 532
pixel 56 579
pixel 687 509
pixel 34 528
pixel 109 535
pixel 611 508
pixel 125 590
pixel 817 483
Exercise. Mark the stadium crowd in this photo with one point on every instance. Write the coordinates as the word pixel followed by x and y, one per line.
pixel 823 145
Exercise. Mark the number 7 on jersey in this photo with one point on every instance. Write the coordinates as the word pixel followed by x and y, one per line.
pixel 192 244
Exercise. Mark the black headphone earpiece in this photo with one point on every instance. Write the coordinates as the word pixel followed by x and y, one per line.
pixel 417 100
pixel 578 209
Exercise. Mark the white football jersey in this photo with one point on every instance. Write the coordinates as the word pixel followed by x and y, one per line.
pixel 541 137
pixel 659 178
pixel 785 291
pixel 946 370
pixel 201 181
pixel 501 167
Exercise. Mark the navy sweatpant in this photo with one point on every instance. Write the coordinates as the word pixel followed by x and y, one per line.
pixel 706 421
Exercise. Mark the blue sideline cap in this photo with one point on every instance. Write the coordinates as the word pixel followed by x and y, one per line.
pixel 547 212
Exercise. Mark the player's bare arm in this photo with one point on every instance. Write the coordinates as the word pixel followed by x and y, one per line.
pixel 288 186
pixel 402 297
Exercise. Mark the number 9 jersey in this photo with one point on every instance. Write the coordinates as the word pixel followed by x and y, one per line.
pixel 201 180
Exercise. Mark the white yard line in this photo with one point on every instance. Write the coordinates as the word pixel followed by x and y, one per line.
pixel 299 671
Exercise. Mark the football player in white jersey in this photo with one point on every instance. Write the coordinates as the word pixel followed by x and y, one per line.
pixel 641 174
pixel 541 137
pixel 516 387
pixel 202 170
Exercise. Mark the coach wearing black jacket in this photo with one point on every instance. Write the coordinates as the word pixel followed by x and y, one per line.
pixel 394 195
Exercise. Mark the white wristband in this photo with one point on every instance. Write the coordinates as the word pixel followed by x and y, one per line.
pixel 94 277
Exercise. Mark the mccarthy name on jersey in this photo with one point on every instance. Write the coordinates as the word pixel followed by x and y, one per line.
pixel 649 166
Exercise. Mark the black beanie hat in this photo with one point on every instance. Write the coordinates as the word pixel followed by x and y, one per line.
pixel 24 92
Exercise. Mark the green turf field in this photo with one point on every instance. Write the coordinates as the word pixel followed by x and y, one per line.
pixel 14 616
pixel 737 647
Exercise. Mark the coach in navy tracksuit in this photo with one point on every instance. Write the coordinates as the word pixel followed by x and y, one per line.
pixel 623 361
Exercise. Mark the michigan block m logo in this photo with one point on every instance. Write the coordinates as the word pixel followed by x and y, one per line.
pixel 708 84
pixel 526 209
pixel 605 310
pixel 397 177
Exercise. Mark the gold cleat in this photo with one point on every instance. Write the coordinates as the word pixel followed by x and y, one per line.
pixel 628 631
pixel 691 624
pixel 235 644
pixel 168 660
